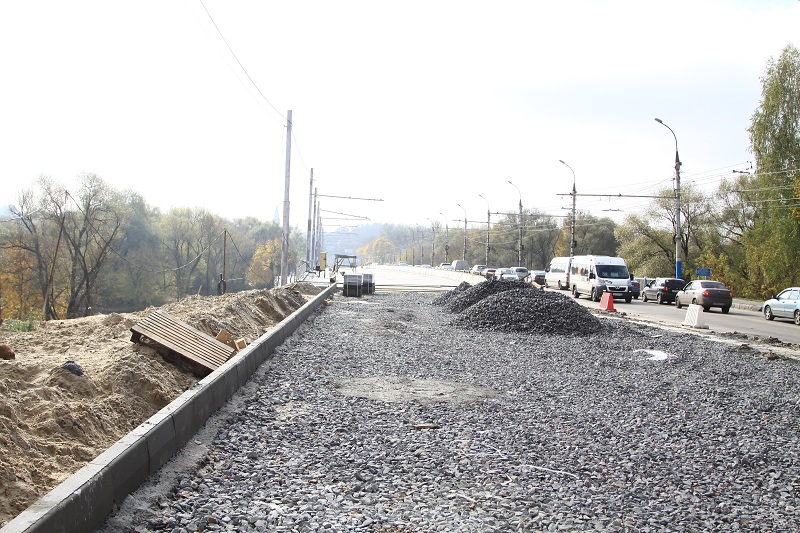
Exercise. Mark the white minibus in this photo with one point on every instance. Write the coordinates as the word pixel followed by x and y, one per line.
pixel 593 275
pixel 557 273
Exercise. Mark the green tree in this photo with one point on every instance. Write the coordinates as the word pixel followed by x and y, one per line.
pixel 135 278
pixel 593 235
pixel 265 264
pixel 69 238
pixel 186 235
pixel 381 250
pixel 647 241
pixel 92 225
pixel 772 246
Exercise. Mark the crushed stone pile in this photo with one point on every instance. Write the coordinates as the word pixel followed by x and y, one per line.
pixel 528 309
pixel 446 297
pixel 461 299
pixel 511 306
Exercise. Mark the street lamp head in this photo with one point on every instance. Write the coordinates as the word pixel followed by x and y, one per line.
pixel 659 121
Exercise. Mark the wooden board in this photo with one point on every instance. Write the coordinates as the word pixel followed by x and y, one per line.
pixel 182 339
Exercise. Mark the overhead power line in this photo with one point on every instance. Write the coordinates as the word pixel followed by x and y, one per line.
pixel 239 62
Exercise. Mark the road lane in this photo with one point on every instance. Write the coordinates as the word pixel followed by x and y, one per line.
pixel 748 322
pixel 738 320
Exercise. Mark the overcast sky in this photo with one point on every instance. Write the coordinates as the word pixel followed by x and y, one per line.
pixel 423 104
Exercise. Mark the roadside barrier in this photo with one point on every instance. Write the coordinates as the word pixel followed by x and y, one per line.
pixel 693 317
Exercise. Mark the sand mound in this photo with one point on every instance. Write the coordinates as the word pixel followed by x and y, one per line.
pixel 54 421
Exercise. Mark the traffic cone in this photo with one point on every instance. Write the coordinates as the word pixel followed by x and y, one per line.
pixel 607 302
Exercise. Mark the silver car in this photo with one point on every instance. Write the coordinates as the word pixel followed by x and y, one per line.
pixel 784 305
pixel 705 293
pixel 506 273
pixel 521 272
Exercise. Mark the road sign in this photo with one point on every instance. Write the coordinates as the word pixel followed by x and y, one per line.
pixel 702 272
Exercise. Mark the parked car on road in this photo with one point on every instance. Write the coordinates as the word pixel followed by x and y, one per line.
pixel 522 273
pixel 662 290
pixel 705 293
pixel 558 273
pixel 445 266
pixel 477 269
pixel 636 288
pixel 538 276
pixel 488 273
pixel 507 274
pixel 459 264
pixel 785 305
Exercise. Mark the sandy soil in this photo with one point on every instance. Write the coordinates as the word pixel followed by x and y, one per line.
pixel 53 421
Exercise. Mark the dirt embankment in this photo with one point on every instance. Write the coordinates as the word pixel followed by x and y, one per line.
pixel 56 416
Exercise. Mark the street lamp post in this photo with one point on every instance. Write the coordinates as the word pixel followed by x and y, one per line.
pixel 488 225
pixel 572 225
pixel 519 252
pixel 421 246
pixel 413 247
pixel 465 232
pixel 433 243
pixel 678 238
pixel 446 237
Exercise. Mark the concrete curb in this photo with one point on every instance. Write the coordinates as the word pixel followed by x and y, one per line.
pixel 748 305
pixel 83 501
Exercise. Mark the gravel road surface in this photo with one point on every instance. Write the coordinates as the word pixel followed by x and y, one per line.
pixel 390 413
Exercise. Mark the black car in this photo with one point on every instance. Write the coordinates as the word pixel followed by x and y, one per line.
pixel 662 290
pixel 636 289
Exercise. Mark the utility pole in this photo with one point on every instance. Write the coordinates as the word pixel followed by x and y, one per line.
pixel 413 246
pixel 465 232
pixel 446 238
pixel 519 252
pixel 421 245
pixel 314 232
pixel 678 237
pixel 318 242
pixel 308 231
pixel 488 225
pixel 285 243
pixel 433 243
pixel 574 194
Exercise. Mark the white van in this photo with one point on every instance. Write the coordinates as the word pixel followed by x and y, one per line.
pixel 459 264
pixel 557 273
pixel 593 275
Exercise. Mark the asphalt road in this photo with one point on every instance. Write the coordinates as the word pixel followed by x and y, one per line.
pixel 748 320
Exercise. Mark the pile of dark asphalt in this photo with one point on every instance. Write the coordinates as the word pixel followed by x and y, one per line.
pixel 501 305
pixel 389 413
